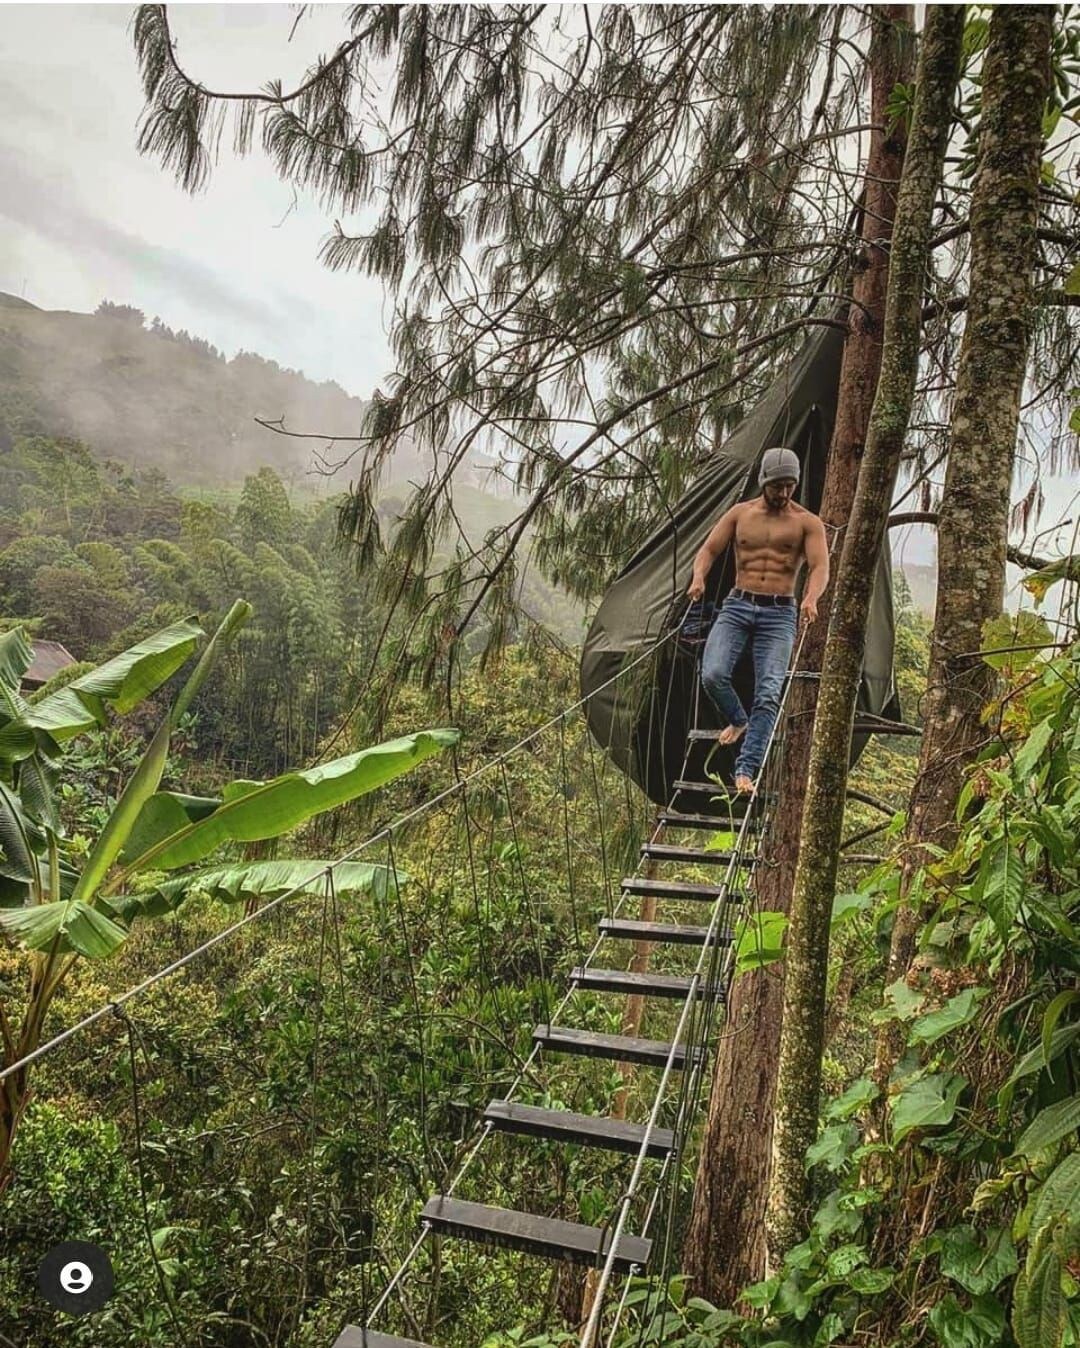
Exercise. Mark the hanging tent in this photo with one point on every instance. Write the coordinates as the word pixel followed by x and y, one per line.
pixel 642 720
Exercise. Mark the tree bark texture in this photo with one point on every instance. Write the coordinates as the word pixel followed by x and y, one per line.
pixel 973 521
pixel 803 1027
pixel 725 1245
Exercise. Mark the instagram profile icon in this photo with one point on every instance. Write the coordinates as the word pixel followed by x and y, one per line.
pixel 76 1277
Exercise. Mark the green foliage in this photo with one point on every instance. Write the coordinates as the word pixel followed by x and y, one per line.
pixel 165 835
pixel 1039 582
pixel 948 1210
pixel 759 940
pixel 285 1109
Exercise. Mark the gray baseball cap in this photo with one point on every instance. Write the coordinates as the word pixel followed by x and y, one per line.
pixel 778 465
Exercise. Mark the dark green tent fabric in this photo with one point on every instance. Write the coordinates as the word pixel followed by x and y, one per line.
pixel 641 720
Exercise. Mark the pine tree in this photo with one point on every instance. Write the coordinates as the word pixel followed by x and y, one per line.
pixel 604 228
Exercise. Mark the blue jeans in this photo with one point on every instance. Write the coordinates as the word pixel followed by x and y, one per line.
pixel 771 633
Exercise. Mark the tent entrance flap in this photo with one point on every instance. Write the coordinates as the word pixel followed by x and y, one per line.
pixel 642 720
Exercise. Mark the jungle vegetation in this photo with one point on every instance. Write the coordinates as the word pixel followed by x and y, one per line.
pixel 604 230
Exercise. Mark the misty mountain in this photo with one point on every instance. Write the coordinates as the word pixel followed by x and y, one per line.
pixel 145 395
pixel 148 397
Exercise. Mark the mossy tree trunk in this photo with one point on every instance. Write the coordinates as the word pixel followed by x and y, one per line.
pixel 802 1030
pixel 725 1246
pixel 973 520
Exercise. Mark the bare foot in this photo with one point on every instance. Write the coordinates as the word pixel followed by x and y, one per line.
pixel 730 734
pixel 743 784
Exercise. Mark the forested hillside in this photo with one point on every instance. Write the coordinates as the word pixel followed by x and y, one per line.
pixel 147 396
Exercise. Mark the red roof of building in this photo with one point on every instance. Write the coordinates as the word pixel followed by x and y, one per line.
pixel 49 658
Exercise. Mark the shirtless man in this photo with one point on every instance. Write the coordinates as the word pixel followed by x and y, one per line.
pixel 773 536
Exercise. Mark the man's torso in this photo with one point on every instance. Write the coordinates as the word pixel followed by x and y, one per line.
pixel 769 547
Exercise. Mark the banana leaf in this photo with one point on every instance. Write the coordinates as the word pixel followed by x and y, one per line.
pixel 254 880
pixel 144 781
pixel 74 926
pixel 16 655
pixel 123 682
pixel 254 810
pixel 20 842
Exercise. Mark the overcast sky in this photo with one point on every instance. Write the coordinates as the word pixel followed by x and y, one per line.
pixel 83 216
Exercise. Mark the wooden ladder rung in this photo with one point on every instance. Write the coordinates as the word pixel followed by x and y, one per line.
pixel 695 855
pixel 614 1047
pixel 677 889
pixel 642 984
pixel 585 1130
pixel 355 1336
pixel 715 822
pixel 673 933
pixel 546 1236
pixel 732 802
pixel 865 724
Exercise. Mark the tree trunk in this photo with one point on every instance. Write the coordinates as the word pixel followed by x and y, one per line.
pixel 802 1030
pixel 725 1246
pixel 973 521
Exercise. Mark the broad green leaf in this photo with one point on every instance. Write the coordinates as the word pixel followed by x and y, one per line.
pixel 979 1326
pixel 833 1147
pixel 20 842
pixel 928 1102
pixel 759 940
pixel 842 1261
pixel 857 1096
pixel 760 1295
pixel 978 1261
pixel 831 1218
pixel 144 781
pixel 871 1281
pixel 1038 1058
pixel 75 927
pixel 1013 640
pixel 791 1299
pixel 1048 828
pixel 38 778
pixel 166 813
pixel 957 1011
pixel 831 1327
pixel 901 1003
pixel 1039 1314
pixel 17 742
pixel 1001 885
pixel 1033 748
pixel 1052 1015
pixel 1039 582
pixel 846 907
pixel 16 657
pixel 123 682
pixel 1049 1126
pixel 1072 281
pixel 1059 1196
pixel 255 880
pixel 272 808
